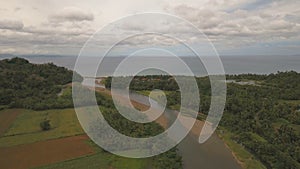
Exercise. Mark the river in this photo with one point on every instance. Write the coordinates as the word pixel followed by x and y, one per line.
pixel 213 154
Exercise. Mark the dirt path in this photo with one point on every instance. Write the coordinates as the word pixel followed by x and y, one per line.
pixel 44 152
pixel 7 117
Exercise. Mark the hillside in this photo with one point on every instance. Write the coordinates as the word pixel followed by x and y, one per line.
pixel 33 86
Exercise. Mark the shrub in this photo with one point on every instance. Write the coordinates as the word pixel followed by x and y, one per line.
pixel 45 125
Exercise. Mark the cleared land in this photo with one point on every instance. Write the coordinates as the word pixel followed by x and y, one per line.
pixel 100 160
pixel 7 117
pixel 44 152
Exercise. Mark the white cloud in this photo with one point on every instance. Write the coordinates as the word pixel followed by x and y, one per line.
pixel 231 26
pixel 71 14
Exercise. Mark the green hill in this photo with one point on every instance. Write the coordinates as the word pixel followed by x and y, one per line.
pixel 33 86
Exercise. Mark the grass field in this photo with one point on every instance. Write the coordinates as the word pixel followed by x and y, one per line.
pixel 26 128
pixel 247 159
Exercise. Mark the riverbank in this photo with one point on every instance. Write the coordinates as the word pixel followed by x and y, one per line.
pixel 245 159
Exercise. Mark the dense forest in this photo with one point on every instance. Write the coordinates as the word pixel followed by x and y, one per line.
pixel 34 86
pixel 266 117
pixel 263 112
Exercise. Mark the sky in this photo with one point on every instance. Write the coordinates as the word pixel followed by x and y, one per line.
pixel 235 27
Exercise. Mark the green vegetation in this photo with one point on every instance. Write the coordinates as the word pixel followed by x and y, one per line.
pixel 263 123
pixel 33 86
pixel 45 125
pixel 248 161
pixel 262 116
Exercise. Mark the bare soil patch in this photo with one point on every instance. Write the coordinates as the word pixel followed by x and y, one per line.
pixel 44 152
pixel 7 117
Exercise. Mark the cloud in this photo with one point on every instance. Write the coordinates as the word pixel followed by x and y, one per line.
pixel 66 29
pixel 11 24
pixel 17 9
pixel 71 14
pixel 228 24
pixel 243 25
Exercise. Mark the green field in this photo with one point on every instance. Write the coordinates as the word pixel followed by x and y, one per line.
pixel 26 128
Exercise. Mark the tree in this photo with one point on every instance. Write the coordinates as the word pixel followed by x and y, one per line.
pixel 45 125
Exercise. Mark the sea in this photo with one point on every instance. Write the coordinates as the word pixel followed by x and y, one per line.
pixel 231 64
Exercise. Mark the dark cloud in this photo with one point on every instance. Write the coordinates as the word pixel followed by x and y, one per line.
pixel 11 24
pixel 17 9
